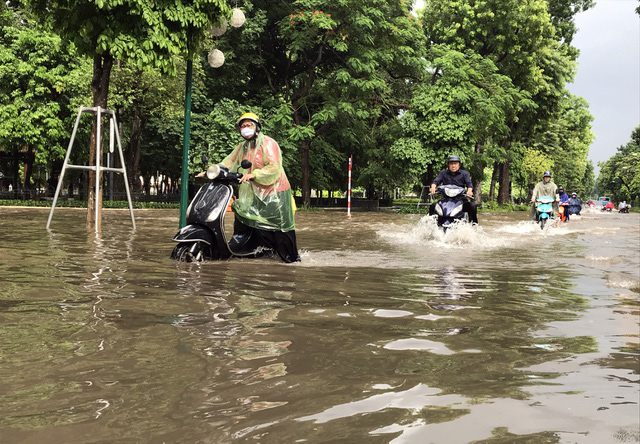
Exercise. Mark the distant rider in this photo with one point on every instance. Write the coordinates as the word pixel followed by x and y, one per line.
pixel 544 188
pixel 575 206
pixel 563 201
pixel 623 207
pixel 453 175
pixel 265 202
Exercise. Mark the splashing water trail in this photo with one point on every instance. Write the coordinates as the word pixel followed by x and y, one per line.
pixel 459 235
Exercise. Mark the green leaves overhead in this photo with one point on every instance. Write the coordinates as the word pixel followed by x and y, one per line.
pixel 145 33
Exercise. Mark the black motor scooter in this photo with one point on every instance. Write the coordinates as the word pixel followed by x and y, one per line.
pixel 204 237
pixel 449 208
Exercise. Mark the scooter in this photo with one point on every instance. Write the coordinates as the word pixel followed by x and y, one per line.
pixel 563 211
pixel 450 206
pixel 544 210
pixel 204 237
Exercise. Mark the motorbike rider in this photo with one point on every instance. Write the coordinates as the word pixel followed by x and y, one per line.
pixel 574 204
pixel 623 207
pixel 563 201
pixel 265 202
pixel 544 188
pixel 453 175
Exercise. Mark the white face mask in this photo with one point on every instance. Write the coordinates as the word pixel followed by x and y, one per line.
pixel 247 132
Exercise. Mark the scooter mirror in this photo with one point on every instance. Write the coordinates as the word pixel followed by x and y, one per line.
pixel 205 160
pixel 213 171
pixel 246 164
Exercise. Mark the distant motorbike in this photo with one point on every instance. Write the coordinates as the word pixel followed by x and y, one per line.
pixel 563 211
pixel 544 210
pixel 204 238
pixel 450 206
pixel 574 210
pixel 623 210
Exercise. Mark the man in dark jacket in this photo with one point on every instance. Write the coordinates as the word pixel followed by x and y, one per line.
pixel 453 175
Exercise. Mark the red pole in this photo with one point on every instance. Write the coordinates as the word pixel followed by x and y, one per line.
pixel 349 188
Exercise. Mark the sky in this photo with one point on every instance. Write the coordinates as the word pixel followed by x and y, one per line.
pixel 608 74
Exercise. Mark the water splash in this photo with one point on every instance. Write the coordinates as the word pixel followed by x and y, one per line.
pixel 426 231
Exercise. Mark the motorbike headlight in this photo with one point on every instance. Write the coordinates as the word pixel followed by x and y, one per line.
pixel 451 192
pixel 439 209
pixel 456 210
pixel 213 171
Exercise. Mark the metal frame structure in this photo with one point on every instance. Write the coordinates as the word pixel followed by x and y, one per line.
pixel 420 203
pixel 113 130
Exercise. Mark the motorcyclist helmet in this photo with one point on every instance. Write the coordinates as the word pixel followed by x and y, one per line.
pixel 454 159
pixel 252 117
pixel 574 194
pixel 547 174
pixel 561 189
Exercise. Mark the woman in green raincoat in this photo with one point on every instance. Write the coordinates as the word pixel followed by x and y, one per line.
pixel 265 203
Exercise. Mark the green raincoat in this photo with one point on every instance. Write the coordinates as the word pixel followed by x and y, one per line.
pixel 266 203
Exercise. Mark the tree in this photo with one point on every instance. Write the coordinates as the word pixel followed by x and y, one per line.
pixel 520 38
pixel 620 175
pixel 144 33
pixel 38 73
pixel 326 62
pixel 461 109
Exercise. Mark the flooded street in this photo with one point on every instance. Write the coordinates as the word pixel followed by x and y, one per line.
pixel 387 331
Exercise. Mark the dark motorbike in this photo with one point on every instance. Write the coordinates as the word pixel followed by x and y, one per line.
pixel 204 237
pixel 450 207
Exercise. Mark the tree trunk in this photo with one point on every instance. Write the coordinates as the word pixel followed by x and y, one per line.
pixel 132 156
pixel 504 191
pixel 102 64
pixel 305 147
pixel 492 186
pixel 28 167
pixel 477 191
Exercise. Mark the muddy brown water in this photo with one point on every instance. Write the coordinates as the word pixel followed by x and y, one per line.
pixel 387 331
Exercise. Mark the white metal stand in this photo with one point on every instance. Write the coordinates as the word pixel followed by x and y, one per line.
pixel 113 130
pixel 420 203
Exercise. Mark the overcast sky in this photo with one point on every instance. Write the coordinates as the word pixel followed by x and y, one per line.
pixel 609 72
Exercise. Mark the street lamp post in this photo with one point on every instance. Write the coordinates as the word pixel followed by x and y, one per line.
pixel 184 182
pixel 216 59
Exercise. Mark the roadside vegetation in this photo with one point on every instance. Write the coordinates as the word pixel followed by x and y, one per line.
pixel 397 89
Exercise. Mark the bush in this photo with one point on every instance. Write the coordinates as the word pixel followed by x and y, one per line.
pixel 83 204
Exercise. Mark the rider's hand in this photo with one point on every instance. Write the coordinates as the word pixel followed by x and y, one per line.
pixel 432 189
pixel 470 192
pixel 202 174
pixel 246 177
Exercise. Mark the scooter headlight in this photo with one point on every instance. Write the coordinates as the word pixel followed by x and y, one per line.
pixel 452 192
pixel 213 171
pixel 439 209
pixel 456 210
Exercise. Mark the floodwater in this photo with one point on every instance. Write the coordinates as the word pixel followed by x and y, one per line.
pixel 387 331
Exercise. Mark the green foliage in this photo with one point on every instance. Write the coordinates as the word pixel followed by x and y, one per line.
pixel 620 175
pixel 39 77
pixel 144 33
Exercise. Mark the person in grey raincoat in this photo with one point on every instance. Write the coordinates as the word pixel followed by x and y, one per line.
pixel 544 188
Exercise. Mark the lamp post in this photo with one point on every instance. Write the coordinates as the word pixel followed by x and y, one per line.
pixel 186 139
pixel 216 59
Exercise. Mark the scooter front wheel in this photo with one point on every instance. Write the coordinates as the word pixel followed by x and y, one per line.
pixel 542 223
pixel 190 252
